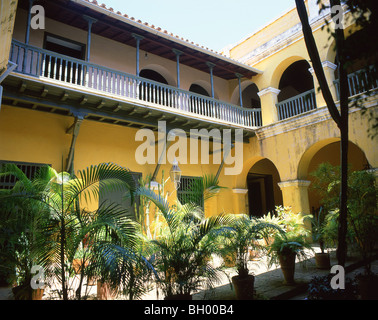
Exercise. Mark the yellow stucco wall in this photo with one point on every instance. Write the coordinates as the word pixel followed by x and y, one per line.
pixel 293 146
pixel 7 17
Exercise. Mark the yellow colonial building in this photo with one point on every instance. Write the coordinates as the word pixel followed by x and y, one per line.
pixel 82 84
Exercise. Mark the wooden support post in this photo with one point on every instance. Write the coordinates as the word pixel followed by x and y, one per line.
pixel 137 38
pixel 178 53
pixel 211 67
pixel 90 21
pixel 75 132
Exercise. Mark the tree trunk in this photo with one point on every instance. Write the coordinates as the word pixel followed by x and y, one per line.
pixel 62 254
pixel 344 94
pixel 341 119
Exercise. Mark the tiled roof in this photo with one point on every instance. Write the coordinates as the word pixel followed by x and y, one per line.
pixel 153 27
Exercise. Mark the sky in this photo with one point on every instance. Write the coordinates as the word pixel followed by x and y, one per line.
pixel 210 23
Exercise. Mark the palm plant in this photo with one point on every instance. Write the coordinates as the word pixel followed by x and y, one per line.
pixel 20 217
pixel 245 236
pixel 68 226
pixel 182 250
pixel 317 228
pixel 290 244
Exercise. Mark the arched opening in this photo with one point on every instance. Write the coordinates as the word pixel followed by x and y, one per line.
pixel 295 80
pixel 263 190
pixel 152 75
pixel 151 92
pixel 362 76
pixel 250 97
pixel 297 94
pixel 330 153
pixel 196 88
pixel 198 103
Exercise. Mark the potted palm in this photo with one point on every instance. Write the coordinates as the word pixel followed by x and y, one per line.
pixel 363 222
pixel 322 258
pixel 284 251
pixel 289 245
pixel 244 238
pixel 22 215
pixel 66 223
pixel 182 250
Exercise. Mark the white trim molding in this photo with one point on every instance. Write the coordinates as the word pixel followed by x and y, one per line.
pixel 325 64
pixel 241 191
pixel 294 183
pixel 268 90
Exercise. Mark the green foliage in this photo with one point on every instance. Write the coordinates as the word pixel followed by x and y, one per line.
pixel 293 239
pixel 318 222
pixel 362 208
pixel 245 235
pixel 320 288
pixel 20 224
pixel 67 229
pixel 182 250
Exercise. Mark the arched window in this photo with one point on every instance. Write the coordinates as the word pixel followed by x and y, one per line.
pixel 196 88
pixel 295 80
pixel 250 97
pixel 152 75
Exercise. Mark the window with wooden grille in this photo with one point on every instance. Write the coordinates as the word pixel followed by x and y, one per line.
pixel 120 198
pixel 29 169
pixel 191 191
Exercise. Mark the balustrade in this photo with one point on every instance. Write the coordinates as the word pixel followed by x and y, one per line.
pixel 42 63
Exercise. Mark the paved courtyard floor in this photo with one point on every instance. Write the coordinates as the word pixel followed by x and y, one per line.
pixel 269 282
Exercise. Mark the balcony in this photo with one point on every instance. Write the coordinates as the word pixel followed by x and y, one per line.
pixel 75 73
pixel 359 82
pixel 296 105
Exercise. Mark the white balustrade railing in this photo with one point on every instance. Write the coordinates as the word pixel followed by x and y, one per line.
pixel 296 105
pixel 42 63
pixel 359 82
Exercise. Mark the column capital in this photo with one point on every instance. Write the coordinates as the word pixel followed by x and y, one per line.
pixel 177 52
pixel 294 183
pixel 268 90
pixel 210 65
pixel 240 191
pixel 325 64
pixel 137 36
pixel 89 19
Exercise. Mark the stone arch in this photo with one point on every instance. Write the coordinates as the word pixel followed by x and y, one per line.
pixel 242 177
pixel 163 72
pixel 280 69
pixel 249 90
pixel 296 79
pixel 331 53
pixel 356 156
pixel 328 150
pixel 260 177
pixel 264 193
pixel 206 87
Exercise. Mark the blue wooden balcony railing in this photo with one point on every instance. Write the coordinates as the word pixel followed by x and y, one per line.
pixel 296 105
pixel 46 64
pixel 359 82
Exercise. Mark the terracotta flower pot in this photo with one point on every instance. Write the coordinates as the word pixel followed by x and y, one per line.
pixel 37 294
pixel 322 261
pixel 287 263
pixel 244 287
pixel 104 291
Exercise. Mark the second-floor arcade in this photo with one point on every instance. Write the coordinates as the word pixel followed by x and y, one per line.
pixel 109 67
